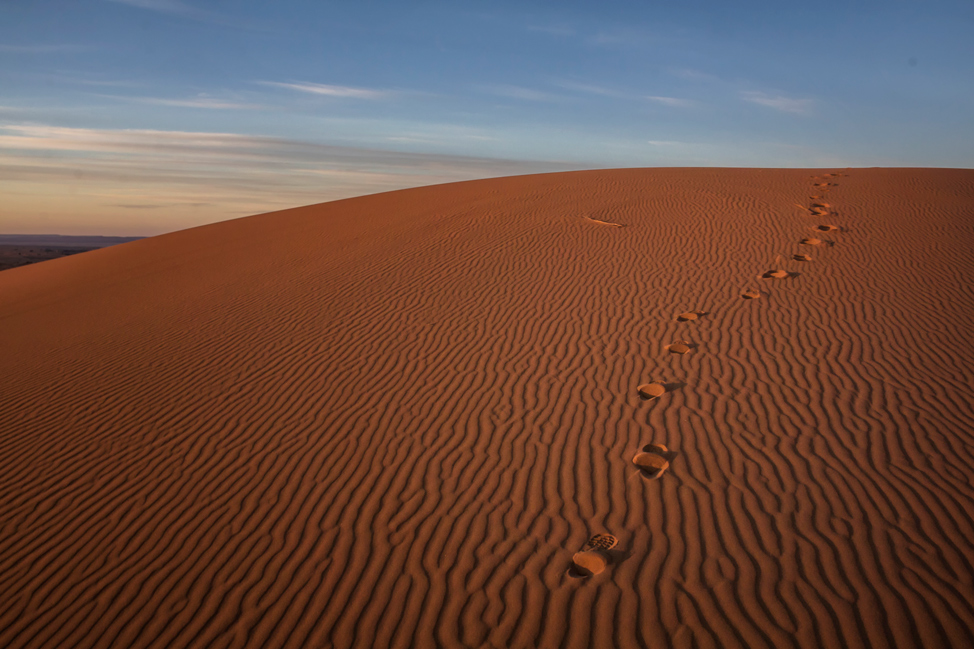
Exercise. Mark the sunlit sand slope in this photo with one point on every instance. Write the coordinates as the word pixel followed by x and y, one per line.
pixel 397 420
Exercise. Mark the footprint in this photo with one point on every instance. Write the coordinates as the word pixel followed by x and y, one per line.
pixel 750 295
pixel 690 315
pixel 595 558
pixel 816 209
pixel 827 228
pixel 652 464
pixel 811 241
pixel 600 222
pixel 651 390
pixel 802 257
pixel 678 347
pixel 777 274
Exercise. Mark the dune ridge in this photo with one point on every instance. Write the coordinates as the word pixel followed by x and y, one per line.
pixel 393 420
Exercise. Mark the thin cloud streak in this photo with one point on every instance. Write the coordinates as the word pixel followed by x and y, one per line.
pixel 231 148
pixel 209 103
pixel 162 6
pixel 692 75
pixel 329 90
pixel 620 37
pixel 187 11
pixel 42 49
pixel 554 30
pixel 519 92
pixel 79 77
pixel 591 89
pixel 778 102
pixel 675 102
pixel 206 177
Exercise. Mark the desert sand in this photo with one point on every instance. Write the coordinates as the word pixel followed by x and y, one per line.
pixel 394 420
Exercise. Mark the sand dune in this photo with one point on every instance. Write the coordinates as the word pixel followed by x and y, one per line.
pixel 396 420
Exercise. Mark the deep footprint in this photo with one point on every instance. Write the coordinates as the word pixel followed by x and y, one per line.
pixel 802 257
pixel 595 558
pixel 678 347
pixel 817 209
pixel 652 390
pixel 776 274
pixel 820 209
pixel 651 465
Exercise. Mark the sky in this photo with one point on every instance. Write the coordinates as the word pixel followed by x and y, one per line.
pixel 137 117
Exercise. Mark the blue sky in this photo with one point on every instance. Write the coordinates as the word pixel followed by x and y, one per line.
pixel 143 116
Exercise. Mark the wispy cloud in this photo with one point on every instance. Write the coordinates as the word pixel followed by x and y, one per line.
pixel 330 91
pixel 602 91
pixel 675 102
pixel 109 83
pixel 778 102
pixel 202 101
pixel 518 92
pixel 162 6
pixel 692 75
pixel 554 30
pixel 438 138
pixel 42 49
pixel 79 77
pixel 626 37
pixel 591 89
pixel 187 11
pixel 208 176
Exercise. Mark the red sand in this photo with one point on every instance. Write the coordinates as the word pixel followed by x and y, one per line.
pixel 393 420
